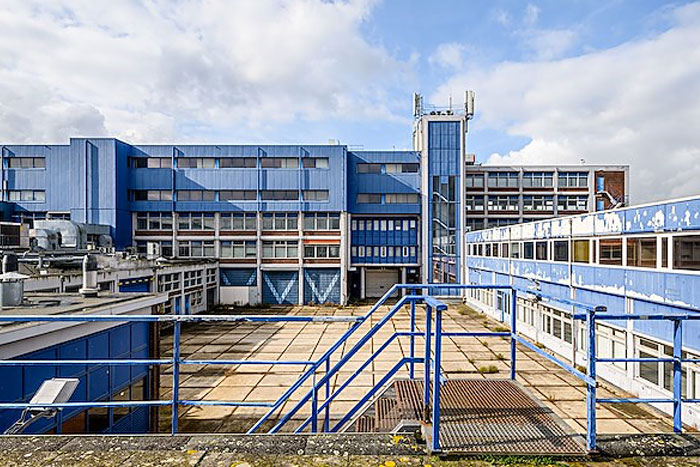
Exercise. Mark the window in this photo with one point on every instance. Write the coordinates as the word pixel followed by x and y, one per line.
pixel 610 251
pixel 503 203
pixel 401 168
pixel 151 195
pixel 363 168
pixel 572 203
pixel 315 162
pixel 238 221
pixel 315 195
pixel 27 195
pixel 641 252
pixel 560 250
pixel 573 180
pixel 196 162
pixel 281 249
pixel 238 163
pixel 474 181
pixel 322 221
pixel 475 203
pixel 196 248
pixel 321 251
pixel 150 162
pixel 686 252
pixel 502 221
pixel 280 221
pixel 503 180
pixel 238 195
pixel 196 195
pixel 515 250
pixel 369 198
pixel 528 250
pixel 474 224
pixel 195 221
pixel 538 179
pixel 538 203
pixel 581 251
pixel 279 195
pixel 401 198
pixel 504 250
pixel 154 221
pixel 26 163
pixel 541 251
pixel 239 249
pixel 279 163
pixel 664 253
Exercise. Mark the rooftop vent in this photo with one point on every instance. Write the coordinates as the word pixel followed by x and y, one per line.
pixel 11 282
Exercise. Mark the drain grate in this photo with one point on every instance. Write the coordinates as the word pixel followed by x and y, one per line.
pixel 484 417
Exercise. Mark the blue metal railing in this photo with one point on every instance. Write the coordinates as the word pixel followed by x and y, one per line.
pixel 423 294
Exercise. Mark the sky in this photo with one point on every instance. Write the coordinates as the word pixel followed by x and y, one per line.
pixel 556 81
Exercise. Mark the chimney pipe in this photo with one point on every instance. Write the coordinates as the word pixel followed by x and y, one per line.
pixel 89 288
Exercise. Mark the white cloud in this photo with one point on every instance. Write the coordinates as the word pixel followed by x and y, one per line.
pixel 532 14
pixel 448 55
pixel 547 44
pixel 137 70
pixel 636 104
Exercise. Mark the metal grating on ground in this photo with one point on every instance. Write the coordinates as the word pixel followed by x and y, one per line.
pixel 482 417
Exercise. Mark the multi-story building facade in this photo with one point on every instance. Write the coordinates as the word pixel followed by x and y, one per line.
pixel 288 224
pixel 641 259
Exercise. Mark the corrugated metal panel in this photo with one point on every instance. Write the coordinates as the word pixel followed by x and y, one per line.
pixel 239 277
pixel 280 287
pixel 321 285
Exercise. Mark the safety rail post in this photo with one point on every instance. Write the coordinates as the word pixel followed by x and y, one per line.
pixel 513 331
pixel 412 338
pixel 436 380
pixel 591 385
pixel 314 404
pixel 677 375
pixel 426 364
pixel 327 413
pixel 176 375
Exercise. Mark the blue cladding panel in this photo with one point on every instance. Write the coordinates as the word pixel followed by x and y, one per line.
pixel 142 284
pixel 238 277
pixel 321 285
pixel 125 341
pixel 382 183
pixel 280 287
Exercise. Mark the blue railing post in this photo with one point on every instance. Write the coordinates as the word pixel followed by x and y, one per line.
pixel 513 330
pixel 677 376
pixel 327 416
pixel 436 380
pixel 314 404
pixel 176 375
pixel 591 388
pixel 426 364
pixel 412 344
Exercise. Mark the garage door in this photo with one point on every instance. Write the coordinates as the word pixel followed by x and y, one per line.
pixel 321 285
pixel 280 287
pixel 378 282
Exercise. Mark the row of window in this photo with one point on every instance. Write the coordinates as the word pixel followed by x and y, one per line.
pixel 228 162
pixel 642 252
pixel 388 198
pixel 26 195
pixel 245 249
pixel 530 180
pixel 394 168
pixel 530 202
pixel 383 225
pixel 26 163
pixel 237 221
pixel 611 342
pixel 229 195
pixel 383 251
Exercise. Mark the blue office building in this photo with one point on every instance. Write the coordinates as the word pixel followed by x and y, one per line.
pixel 291 224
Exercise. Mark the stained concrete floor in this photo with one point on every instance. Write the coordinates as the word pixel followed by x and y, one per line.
pixel 462 357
